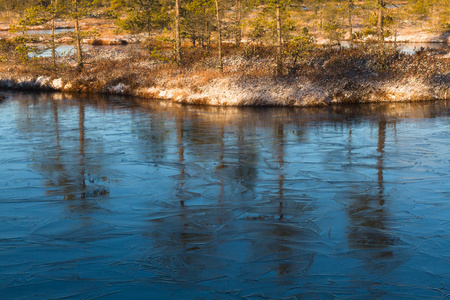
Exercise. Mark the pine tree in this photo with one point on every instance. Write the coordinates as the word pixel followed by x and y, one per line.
pixel 198 22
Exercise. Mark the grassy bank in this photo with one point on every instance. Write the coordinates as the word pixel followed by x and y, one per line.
pixel 326 76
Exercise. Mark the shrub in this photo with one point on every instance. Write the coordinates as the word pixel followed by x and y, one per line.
pixel 299 48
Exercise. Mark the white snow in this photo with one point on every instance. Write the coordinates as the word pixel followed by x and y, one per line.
pixel 57 84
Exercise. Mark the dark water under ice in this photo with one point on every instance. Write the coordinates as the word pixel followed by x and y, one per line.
pixel 117 198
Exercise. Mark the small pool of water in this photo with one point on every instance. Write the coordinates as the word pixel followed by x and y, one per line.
pixel 49 31
pixel 61 51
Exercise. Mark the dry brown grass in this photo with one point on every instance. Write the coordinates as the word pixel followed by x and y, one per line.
pixel 343 75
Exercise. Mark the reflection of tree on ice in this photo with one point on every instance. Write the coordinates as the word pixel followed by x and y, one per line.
pixel 369 219
pixel 280 155
pixel 69 173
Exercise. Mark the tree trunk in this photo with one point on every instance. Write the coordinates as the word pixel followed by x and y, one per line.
pixel 206 29
pixel 78 38
pixel 177 33
pixel 219 31
pixel 238 34
pixel 53 33
pixel 321 16
pixel 149 28
pixel 380 22
pixel 208 37
pixel 350 28
pixel 279 41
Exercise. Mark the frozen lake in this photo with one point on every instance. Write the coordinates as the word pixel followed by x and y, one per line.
pixel 123 198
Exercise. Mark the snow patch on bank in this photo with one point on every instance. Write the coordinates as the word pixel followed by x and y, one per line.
pixel 57 84
pixel 411 90
pixel 235 92
pixel 259 92
pixel 119 89
pixel 43 83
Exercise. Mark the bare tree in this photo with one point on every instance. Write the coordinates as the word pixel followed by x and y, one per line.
pixel 380 29
pixel 177 33
pixel 54 4
pixel 350 27
pixel 279 39
pixel 77 36
pixel 219 32
pixel 238 30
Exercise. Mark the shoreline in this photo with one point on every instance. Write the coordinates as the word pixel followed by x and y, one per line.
pixel 275 93
pixel 328 77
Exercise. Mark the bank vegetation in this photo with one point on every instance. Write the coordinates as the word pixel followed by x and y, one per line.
pixel 272 52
